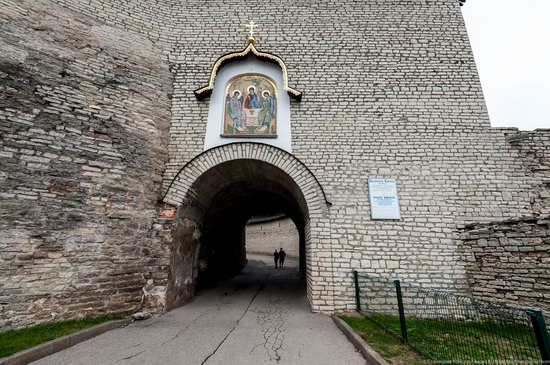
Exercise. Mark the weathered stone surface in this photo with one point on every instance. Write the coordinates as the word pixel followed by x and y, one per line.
pixel 185 264
pixel 509 260
pixel 515 270
pixel 84 116
pixel 534 150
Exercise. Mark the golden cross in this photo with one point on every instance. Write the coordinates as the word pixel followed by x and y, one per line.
pixel 252 26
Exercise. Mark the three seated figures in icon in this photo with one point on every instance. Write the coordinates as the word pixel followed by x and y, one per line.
pixel 250 107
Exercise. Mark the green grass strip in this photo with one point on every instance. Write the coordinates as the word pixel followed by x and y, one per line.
pixel 467 340
pixel 386 344
pixel 18 340
pixel 444 340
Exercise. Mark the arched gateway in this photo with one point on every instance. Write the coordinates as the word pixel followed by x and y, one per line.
pixel 219 190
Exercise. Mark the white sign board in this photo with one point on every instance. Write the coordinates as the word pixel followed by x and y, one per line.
pixel 384 202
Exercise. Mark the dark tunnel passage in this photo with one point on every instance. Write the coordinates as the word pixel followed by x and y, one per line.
pixel 210 228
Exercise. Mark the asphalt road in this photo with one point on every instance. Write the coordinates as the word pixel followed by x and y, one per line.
pixel 262 316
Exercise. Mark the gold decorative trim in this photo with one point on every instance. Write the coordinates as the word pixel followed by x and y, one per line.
pixel 205 91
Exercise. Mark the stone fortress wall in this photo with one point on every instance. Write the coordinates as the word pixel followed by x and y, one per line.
pixel 84 121
pixel 509 260
pixel 98 115
pixel 266 236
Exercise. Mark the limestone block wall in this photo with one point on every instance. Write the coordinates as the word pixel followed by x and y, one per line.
pixel 151 18
pixel 534 152
pixel 509 261
pixel 84 117
pixel 265 237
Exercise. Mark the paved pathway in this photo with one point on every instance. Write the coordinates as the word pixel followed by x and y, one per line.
pixel 261 316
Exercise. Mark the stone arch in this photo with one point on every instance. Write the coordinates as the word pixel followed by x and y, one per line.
pixel 239 161
pixel 180 186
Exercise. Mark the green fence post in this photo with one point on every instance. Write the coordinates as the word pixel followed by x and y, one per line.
pixel 404 337
pixel 357 297
pixel 541 334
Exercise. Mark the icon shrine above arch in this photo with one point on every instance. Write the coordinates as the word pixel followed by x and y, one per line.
pixel 249 98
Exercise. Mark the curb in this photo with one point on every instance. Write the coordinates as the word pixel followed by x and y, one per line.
pixel 61 343
pixel 368 352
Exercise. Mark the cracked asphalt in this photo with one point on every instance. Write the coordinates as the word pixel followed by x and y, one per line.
pixel 261 316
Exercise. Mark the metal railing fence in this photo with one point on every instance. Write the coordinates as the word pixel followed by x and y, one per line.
pixel 452 329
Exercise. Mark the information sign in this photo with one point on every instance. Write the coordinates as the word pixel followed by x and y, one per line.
pixel 384 201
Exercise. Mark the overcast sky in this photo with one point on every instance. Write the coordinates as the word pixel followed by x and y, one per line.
pixel 511 43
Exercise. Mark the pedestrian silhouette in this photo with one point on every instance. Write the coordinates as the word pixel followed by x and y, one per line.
pixel 276 257
pixel 282 255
